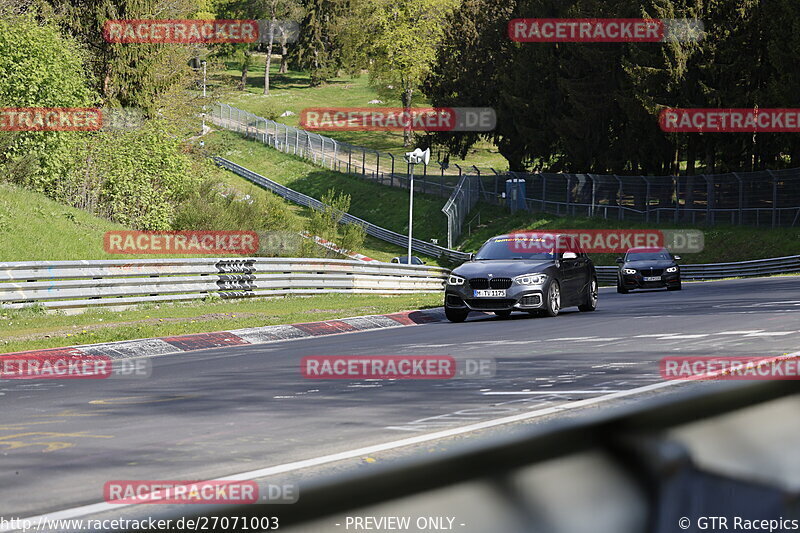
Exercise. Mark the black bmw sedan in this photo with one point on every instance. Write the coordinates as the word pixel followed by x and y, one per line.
pixel 648 268
pixel 503 278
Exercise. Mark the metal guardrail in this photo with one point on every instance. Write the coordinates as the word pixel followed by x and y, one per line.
pixel 757 267
pixel 383 234
pixel 81 284
pixel 638 468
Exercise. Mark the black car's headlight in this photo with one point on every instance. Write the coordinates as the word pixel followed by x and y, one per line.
pixel 629 271
pixel 672 269
pixel 455 280
pixel 531 279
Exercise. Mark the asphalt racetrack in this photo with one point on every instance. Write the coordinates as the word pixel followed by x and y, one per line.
pixel 248 410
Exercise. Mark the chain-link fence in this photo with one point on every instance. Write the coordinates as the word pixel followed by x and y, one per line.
pixel 381 167
pixel 465 195
pixel 765 198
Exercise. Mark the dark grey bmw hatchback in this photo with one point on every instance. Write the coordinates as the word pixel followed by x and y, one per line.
pixel 502 277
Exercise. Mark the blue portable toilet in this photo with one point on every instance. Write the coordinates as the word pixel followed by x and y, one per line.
pixel 515 194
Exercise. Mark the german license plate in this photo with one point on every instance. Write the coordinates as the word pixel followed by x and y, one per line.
pixel 653 278
pixel 490 294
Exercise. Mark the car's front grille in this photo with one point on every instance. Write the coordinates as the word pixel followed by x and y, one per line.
pixel 490 303
pixel 651 271
pixel 493 283
pixel 479 283
pixel 500 283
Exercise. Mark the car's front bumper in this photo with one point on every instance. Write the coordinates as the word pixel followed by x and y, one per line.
pixel 636 281
pixel 517 297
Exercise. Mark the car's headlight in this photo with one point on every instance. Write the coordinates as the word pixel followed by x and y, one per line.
pixel 629 271
pixel 672 269
pixel 531 279
pixel 455 280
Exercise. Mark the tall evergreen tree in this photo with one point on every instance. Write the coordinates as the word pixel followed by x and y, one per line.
pixel 317 48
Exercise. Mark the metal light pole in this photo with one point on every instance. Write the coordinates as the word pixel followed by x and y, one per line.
pixel 417 156
pixel 204 79
pixel 203 130
pixel 410 211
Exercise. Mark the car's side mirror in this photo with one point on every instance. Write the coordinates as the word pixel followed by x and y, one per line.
pixel 471 257
pixel 569 255
pixel 620 260
pixel 676 257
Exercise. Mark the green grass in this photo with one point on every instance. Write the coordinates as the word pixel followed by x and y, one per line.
pixel 722 243
pixel 35 228
pixel 30 329
pixel 379 204
pixel 291 92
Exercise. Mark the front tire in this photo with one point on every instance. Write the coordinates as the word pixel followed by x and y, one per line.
pixel 620 288
pixel 552 303
pixel 455 315
pixel 674 287
pixel 591 297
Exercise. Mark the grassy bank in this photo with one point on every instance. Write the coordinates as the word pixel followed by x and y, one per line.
pixel 379 204
pixel 35 228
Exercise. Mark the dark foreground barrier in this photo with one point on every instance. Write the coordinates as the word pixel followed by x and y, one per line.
pixel 681 462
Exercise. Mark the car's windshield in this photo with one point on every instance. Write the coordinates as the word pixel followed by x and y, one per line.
pixel 507 249
pixel 648 256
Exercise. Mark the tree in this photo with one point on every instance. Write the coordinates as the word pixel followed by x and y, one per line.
pixel 326 222
pixel 317 49
pixel 38 68
pixel 123 74
pixel 242 53
pixel 398 40
pixel 471 65
pixel 280 13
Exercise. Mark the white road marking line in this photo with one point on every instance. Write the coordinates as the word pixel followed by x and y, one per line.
pixel 569 339
pixel 698 336
pixel 744 332
pixel 655 335
pixel 84 510
pixel 551 392
pixel 769 333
